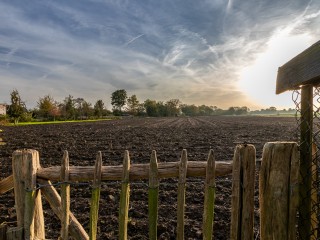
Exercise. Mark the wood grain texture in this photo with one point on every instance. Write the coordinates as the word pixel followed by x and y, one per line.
pixel 25 164
pixel 124 198
pixel 153 196
pixel 209 197
pixel 181 194
pixel 6 184
pixel 96 188
pixel 242 202
pixel 302 69
pixel 65 196
pixel 278 194
pixel 137 171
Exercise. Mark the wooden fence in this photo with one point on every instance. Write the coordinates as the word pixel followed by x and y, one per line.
pixel 278 192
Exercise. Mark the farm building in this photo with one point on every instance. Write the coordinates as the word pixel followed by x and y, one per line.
pixel 3 109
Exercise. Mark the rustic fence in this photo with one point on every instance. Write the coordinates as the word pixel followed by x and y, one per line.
pixel 278 192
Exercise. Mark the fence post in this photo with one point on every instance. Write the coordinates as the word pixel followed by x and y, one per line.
pixel 278 190
pixel 181 194
pixel 242 200
pixel 153 196
pixel 124 198
pixel 209 197
pixel 27 199
pixel 96 188
pixel 65 196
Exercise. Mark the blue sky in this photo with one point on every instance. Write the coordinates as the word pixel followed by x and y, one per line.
pixel 213 52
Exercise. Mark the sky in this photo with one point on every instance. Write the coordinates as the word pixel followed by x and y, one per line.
pixel 215 52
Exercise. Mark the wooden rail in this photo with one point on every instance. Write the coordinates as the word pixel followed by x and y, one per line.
pixel 137 171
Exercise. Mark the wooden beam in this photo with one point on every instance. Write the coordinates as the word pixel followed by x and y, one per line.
pixel 137 171
pixel 301 70
pixel 6 184
pixel 75 228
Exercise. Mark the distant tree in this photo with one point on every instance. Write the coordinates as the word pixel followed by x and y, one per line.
pixel 118 99
pixel 55 111
pixel 173 107
pixel 151 108
pixel 141 111
pixel 205 110
pixel 17 108
pixel 99 108
pixel 45 105
pixel 87 109
pixel 78 102
pixel 68 107
pixel 133 105
pixel 189 110
pixel 162 109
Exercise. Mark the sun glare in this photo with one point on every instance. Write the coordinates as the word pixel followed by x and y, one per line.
pixel 258 81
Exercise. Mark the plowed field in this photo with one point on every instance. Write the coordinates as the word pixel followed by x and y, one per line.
pixel 168 136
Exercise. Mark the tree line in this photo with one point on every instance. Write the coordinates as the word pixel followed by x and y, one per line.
pixel 48 109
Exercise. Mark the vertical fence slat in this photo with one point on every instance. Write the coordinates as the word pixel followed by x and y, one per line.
pixel 181 194
pixel 236 197
pixel 278 193
pixel 209 197
pixel 124 198
pixel 96 188
pixel 242 202
pixel 153 196
pixel 28 202
pixel 65 196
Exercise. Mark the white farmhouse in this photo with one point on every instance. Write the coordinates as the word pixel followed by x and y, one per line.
pixel 3 109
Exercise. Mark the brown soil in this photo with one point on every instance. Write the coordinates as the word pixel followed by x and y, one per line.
pixel 168 136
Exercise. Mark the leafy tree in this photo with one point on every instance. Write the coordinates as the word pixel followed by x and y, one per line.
pixel 68 107
pixel 46 105
pixel 190 110
pixel 173 107
pixel 151 108
pixel 133 105
pixel 205 110
pixel 87 109
pixel 17 108
pixel 118 99
pixel 99 108
pixel 55 111
pixel 162 109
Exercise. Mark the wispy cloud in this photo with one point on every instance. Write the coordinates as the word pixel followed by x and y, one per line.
pixel 158 49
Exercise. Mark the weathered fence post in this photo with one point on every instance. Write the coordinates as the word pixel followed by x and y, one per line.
pixel 181 194
pixel 279 190
pixel 209 197
pixel 242 200
pixel 65 196
pixel 124 198
pixel 96 188
pixel 27 199
pixel 153 196
pixel 306 125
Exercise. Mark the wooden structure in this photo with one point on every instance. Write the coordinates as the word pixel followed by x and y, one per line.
pixel 303 71
pixel 27 173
